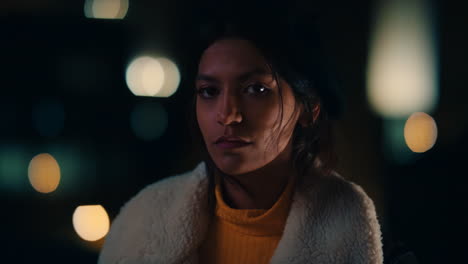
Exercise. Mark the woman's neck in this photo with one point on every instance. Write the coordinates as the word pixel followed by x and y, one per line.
pixel 259 189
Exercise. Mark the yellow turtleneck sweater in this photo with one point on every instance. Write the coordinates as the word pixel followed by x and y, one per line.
pixel 245 235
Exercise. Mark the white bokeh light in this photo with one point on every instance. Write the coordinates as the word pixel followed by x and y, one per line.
pixel 145 76
pixel 150 76
pixel 106 9
pixel 171 78
pixel 401 74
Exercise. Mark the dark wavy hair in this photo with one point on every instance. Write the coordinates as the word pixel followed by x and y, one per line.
pixel 294 56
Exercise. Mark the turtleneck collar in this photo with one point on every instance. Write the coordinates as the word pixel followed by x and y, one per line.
pixel 258 222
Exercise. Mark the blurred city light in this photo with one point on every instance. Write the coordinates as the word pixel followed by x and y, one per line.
pixel 401 74
pixel 145 76
pixel 91 222
pixel 106 9
pixel 149 76
pixel 148 120
pixel 395 148
pixel 171 78
pixel 420 132
pixel 48 117
pixel 13 163
pixel 44 173
pixel 77 165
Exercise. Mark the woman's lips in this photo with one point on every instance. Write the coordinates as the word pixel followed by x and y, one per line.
pixel 231 144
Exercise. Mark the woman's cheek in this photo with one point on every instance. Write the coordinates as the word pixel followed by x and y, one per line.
pixel 264 113
pixel 203 118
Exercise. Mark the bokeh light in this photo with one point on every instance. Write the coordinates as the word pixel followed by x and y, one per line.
pixel 171 78
pixel 106 9
pixel 150 76
pixel 420 132
pixel 394 145
pixel 148 120
pixel 14 161
pixel 77 164
pixel 48 117
pixel 401 74
pixel 145 76
pixel 91 222
pixel 44 173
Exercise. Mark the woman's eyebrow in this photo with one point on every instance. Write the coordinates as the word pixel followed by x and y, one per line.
pixel 204 77
pixel 242 77
pixel 254 72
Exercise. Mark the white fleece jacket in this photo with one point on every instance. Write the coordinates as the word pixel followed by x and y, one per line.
pixel 331 221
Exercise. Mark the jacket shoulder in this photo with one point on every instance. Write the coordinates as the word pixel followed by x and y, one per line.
pixel 332 220
pixel 333 188
pixel 348 220
pixel 364 242
pixel 140 232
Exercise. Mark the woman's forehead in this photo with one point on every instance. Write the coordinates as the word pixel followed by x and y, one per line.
pixel 232 56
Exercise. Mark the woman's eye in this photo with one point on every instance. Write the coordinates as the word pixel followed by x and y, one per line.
pixel 208 92
pixel 256 89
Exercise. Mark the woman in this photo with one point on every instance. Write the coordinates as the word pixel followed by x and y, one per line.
pixel 265 192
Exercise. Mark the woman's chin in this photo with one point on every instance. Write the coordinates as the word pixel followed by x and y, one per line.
pixel 234 166
pixel 231 169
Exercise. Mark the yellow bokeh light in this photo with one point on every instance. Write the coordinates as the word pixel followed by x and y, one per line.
pixel 402 74
pixel 44 173
pixel 145 76
pixel 420 132
pixel 171 78
pixel 106 9
pixel 91 222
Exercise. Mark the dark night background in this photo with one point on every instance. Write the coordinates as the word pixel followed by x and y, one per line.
pixel 50 52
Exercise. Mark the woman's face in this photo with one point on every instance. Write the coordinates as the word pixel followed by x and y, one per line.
pixel 238 107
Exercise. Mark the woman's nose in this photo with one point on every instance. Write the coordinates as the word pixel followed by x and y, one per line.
pixel 229 112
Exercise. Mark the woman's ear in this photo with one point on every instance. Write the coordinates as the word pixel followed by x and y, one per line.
pixel 309 118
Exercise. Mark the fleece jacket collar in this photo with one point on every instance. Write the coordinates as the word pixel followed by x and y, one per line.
pixel 331 220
